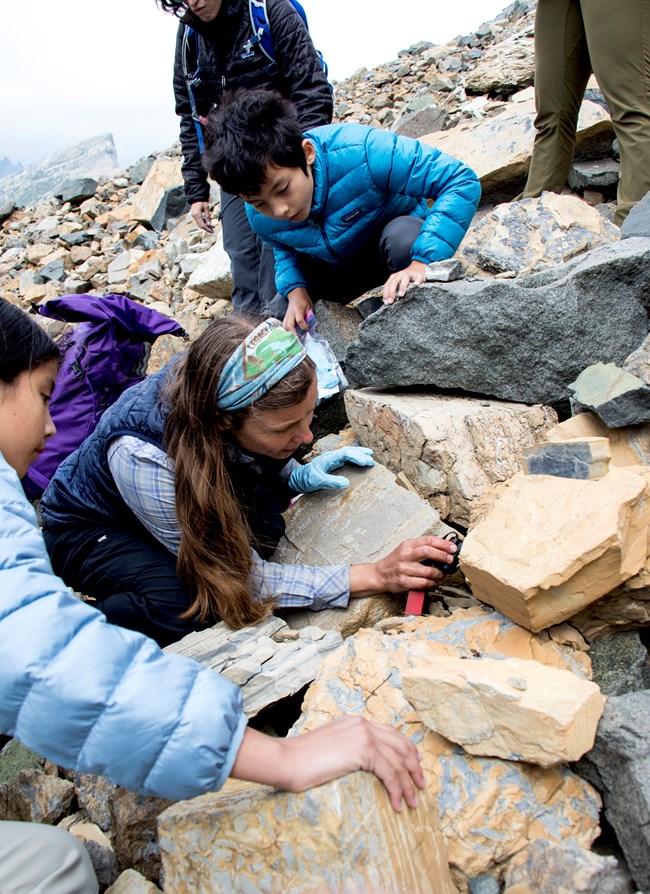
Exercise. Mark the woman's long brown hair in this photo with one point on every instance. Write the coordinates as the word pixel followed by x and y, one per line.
pixel 214 557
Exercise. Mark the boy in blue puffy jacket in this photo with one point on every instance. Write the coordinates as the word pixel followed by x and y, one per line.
pixel 344 206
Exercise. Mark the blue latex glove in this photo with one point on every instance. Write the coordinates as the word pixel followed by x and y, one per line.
pixel 314 475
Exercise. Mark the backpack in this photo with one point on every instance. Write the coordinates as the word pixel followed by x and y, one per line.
pixel 106 354
pixel 261 34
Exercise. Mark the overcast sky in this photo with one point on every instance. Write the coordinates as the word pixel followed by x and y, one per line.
pixel 72 69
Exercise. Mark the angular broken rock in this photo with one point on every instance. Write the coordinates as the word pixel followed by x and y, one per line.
pixel 265 670
pixel 548 868
pixel 550 546
pixel 505 66
pixel 581 458
pixel 339 837
pixel 514 709
pixel 213 276
pixel 161 196
pixel 617 397
pixel 488 808
pixel 479 337
pixel 451 449
pixel 628 446
pixel 534 234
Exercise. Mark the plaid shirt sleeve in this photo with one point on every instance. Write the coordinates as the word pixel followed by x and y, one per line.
pixel 144 476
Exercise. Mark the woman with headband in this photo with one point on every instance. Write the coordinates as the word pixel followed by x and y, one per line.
pixel 168 513
pixel 100 699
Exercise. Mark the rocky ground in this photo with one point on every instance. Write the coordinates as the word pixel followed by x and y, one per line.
pixel 521 420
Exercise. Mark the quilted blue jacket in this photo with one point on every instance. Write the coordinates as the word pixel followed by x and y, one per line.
pixel 97 698
pixel 363 178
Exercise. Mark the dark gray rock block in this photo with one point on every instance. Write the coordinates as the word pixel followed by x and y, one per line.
pixel 594 174
pixel 617 397
pixel 620 663
pixel 77 190
pixel 6 209
pixel 621 760
pixel 637 223
pixel 54 271
pixel 521 340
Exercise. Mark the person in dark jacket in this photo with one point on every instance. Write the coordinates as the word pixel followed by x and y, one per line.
pixel 345 207
pixel 169 513
pixel 219 54
pixel 99 699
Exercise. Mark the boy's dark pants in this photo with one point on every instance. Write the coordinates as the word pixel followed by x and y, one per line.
pixel 129 573
pixel 251 261
pixel 386 252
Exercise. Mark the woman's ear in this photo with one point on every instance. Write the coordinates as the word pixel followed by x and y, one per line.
pixel 310 152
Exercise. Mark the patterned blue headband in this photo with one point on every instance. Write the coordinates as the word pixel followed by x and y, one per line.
pixel 257 364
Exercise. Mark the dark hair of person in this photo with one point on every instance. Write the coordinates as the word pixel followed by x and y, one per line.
pixel 24 345
pixel 251 130
pixel 214 557
pixel 175 7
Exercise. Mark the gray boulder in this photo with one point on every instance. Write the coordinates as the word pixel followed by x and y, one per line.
pixel 76 190
pixel 620 760
pixel 520 340
pixel 637 223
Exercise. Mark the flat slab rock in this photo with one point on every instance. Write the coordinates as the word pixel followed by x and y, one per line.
pixel 266 660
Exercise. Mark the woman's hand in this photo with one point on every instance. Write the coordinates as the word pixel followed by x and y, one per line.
pixel 347 744
pixel 200 211
pixel 397 283
pixel 402 570
pixel 299 304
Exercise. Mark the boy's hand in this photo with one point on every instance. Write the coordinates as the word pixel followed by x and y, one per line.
pixel 200 211
pixel 299 304
pixel 396 284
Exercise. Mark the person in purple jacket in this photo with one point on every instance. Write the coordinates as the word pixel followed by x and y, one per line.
pixel 158 724
pixel 345 207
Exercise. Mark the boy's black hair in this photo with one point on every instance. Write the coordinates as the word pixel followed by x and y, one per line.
pixel 250 130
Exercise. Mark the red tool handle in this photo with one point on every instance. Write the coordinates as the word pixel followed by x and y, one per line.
pixel 414 602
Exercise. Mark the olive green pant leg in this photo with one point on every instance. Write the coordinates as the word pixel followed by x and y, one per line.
pixel 562 69
pixel 618 37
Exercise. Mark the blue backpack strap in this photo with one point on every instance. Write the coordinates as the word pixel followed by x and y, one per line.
pixel 262 31
pixel 192 75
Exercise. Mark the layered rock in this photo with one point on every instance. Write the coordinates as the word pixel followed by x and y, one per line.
pixel 514 709
pixel 534 234
pixel 450 449
pixel 361 523
pixel 325 840
pixel 550 546
pixel 479 337
pixel 488 808
pixel 581 458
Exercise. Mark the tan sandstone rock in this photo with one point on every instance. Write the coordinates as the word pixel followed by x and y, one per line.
pixel 498 149
pixel 165 174
pixel 339 838
pixel 131 882
pixel 451 449
pixel 515 709
pixel 550 546
pixel 489 808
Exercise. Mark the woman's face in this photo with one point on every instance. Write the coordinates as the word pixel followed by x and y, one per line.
pixel 278 433
pixel 25 421
pixel 206 10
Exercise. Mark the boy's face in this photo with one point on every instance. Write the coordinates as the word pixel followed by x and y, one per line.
pixel 287 193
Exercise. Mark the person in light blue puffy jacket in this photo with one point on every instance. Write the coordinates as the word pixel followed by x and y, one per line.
pixel 101 699
pixel 345 207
